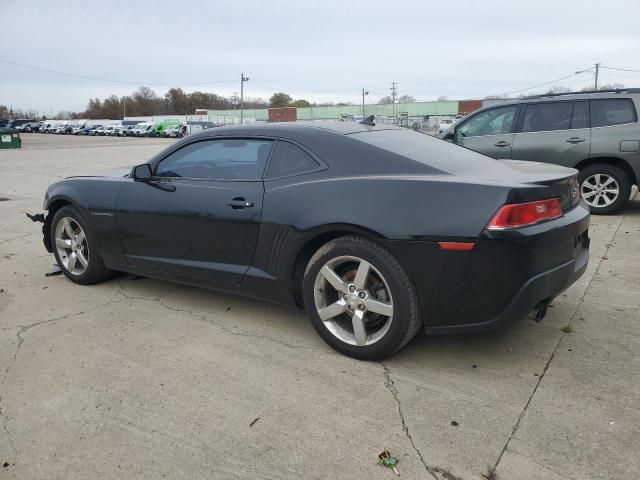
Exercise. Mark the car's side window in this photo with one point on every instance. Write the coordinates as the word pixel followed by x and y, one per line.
pixel 218 160
pixel 612 111
pixel 289 159
pixel 580 117
pixel 492 122
pixel 545 117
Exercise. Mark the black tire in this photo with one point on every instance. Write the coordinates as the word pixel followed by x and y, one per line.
pixel 406 319
pixel 95 271
pixel 624 184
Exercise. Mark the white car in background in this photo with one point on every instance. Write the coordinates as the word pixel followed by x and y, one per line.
pixel 108 130
pixel 97 131
pixel 140 129
pixel 177 131
pixel 446 124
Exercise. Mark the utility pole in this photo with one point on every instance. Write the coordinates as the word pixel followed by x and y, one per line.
pixel 124 107
pixel 242 80
pixel 394 92
pixel 364 92
pixel 597 71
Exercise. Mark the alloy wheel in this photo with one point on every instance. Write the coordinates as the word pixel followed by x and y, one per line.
pixel 72 246
pixel 353 300
pixel 600 190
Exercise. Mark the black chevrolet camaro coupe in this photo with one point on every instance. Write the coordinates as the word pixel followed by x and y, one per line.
pixel 376 231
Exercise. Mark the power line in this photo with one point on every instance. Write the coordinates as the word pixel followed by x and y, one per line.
pixel 125 82
pixel 542 84
pixel 622 69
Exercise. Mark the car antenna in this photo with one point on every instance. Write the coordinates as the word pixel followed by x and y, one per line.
pixel 368 121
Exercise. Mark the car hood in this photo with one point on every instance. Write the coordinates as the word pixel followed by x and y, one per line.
pixel 112 173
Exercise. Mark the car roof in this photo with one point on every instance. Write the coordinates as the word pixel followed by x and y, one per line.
pixel 555 97
pixel 293 128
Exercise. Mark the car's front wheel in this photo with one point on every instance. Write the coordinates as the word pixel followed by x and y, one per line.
pixel 75 248
pixel 359 299
pixel 606 188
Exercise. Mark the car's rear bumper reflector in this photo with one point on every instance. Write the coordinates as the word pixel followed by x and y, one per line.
pixel 456 245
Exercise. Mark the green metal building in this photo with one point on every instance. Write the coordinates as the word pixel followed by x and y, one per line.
pixel 333 112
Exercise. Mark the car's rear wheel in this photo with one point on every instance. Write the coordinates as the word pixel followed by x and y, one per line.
pixel 359 299
pixel 75 248
pixel 606 188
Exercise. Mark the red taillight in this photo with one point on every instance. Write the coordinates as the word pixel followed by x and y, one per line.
pixel 522 214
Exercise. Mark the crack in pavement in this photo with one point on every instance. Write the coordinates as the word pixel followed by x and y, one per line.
pixel 432 470
pixel 557 346
pixel 203 316
pixel 22 329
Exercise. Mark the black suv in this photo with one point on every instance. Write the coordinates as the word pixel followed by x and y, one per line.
pixel 595 132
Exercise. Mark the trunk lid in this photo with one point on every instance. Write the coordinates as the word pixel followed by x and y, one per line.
pixel 560 182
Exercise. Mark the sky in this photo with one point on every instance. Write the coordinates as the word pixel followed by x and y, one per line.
pixel 322 51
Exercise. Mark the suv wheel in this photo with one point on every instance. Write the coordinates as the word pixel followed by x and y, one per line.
pixel 606 188
pixel 359 299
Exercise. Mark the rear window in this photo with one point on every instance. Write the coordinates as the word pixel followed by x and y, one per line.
pixel 289 159
pixel 613 111
pixel 545 117
pixel 429 151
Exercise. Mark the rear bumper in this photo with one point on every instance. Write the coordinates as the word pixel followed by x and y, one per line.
pixel 506 274
pixel 543 287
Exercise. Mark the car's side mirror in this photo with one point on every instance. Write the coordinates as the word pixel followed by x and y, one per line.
pixel 142 172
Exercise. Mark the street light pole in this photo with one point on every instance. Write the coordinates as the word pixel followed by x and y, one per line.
pixel 242 80
pixel 364 92
pixel 597 71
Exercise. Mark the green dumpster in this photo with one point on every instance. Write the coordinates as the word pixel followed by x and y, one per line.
pixel 10 138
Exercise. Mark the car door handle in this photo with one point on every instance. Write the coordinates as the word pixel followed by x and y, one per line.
pixel 239 202
pixel 575 140
pixel 501 144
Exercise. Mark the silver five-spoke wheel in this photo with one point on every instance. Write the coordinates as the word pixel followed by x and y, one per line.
pixel 600 190
pixel 72 247
pixel 353 300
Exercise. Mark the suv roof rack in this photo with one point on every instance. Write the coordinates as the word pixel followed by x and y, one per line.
pixel 613 90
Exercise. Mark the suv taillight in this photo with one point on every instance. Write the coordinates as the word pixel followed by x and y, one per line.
pixel 514 215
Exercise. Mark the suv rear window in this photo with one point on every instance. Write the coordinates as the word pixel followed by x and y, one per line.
pixel 544 117
pixel 612 111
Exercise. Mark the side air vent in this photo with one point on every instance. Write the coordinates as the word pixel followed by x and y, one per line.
pixel 279 240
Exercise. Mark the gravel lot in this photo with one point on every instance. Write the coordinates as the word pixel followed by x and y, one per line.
pixel 145 379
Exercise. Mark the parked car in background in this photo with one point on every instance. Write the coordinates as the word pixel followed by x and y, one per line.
pixel 445 124
pixel 98 130
pixel 158 129
pixel 471 244
pixel 127 131
pixel 88 129
pixel 177 131
pixel 595 132
pixel 140 129
pixel 115 131
pixel 17 122
pixel 77 129
pixel 28 127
